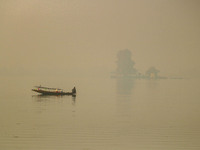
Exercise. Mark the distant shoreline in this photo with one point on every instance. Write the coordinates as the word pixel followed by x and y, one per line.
pixel 143 77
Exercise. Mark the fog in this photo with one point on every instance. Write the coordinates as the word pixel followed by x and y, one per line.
pixel 83 37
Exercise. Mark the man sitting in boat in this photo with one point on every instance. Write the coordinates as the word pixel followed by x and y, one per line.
pixel 74 90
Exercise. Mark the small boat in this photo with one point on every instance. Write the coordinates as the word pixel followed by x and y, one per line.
pixel 53 91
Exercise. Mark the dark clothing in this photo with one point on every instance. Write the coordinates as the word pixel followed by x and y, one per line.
pixel 74 90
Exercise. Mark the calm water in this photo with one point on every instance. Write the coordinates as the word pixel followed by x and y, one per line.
pixel 107 114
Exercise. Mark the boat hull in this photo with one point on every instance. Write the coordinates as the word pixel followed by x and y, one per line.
pixel 53 93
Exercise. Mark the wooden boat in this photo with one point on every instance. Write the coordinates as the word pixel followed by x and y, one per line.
pixel 53 91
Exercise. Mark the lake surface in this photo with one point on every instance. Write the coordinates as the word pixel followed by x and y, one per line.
pixel 107 114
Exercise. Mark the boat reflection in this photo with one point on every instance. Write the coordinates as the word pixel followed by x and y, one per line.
pixel 51 98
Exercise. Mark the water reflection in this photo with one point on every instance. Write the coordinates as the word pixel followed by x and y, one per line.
pixel 51 98
pixel 124 99
pixel 152 83
pixel 125 85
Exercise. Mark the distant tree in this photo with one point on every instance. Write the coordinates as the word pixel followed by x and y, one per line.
pixel 125 65
pixel 152 72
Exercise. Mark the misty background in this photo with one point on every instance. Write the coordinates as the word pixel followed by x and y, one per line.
pixel 82 37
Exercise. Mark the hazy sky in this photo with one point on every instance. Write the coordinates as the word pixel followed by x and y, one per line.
pixel 81 36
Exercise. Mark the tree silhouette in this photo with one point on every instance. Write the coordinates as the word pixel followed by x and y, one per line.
pixel 125 65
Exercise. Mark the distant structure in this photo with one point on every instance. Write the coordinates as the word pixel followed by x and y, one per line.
pixel 125 65
pixel 126 69
pixel 152 73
